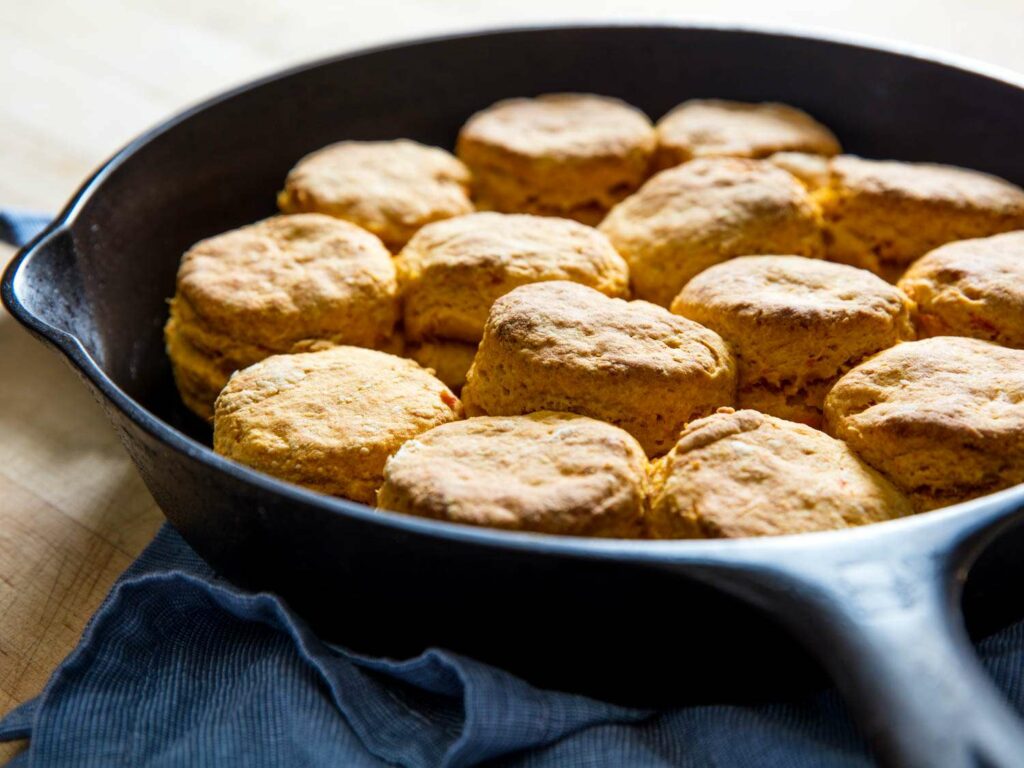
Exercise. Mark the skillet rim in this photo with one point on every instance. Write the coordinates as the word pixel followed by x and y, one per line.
pixel 679 551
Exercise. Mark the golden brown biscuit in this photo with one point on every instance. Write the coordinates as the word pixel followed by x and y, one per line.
pixel 545 472
pixel 882 215
pixel 452 271
pixel 561 346
pixel 813 171
pixel 260 289
pixel 328 420
pixel 449 360
pixel 718 128
pixel 562 154
pixel 391 188
pixel 942 418
pixel 971 288
pixel 707 211
pixel 742 473
pixel 795 325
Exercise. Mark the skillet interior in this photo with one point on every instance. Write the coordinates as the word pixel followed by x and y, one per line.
pixel 555 619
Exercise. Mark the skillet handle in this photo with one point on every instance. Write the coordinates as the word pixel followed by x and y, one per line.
pixel 888 629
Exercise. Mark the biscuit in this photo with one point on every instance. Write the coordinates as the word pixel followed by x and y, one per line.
pixel 707 211
pixel 328 420
pixel 562 154
pixel 743 473
pixel 561 346
pixel 258 290
pixel 883 215
pixel 942 418
pixel 813 171
pixel 544 472
pixel 971 288
pixel 795 325
pixel 391 188
pixel 718 128
pixel 449 360
pixel 452 271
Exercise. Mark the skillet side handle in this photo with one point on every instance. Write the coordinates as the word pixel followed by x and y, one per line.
pixel 889 631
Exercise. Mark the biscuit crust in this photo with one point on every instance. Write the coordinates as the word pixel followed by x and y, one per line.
pixel 562 346
pixel 881 215
pixel 971 288
pixel 449 360
pixel 720 128
pixel 390 188
pixel 943 418
pixel 545 472
pixel 452 271
pixel 562 154
pixel 258 290
pixel 744 473
pixel 707 211
pixel 328 420
pixel 795 325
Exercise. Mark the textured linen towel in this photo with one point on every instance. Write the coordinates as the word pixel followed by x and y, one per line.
pixel 180 668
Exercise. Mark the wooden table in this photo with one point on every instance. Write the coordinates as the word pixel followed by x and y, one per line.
pixel 79 80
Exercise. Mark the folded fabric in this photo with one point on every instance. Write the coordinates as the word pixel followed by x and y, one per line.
pixel 181 668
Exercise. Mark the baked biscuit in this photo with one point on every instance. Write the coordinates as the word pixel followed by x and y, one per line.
pixel 561 346
pixel 545 472
pixel 813 171
pixel 795 325
pixel 883 215
pixel 743 473
pixel 258 290
pixel 942 418
pixel 718 128
pixel 391 188
pixel 707 211
pixel 452 271
pixel 449 360
pixel 562 154
pixel 971 288
pixel 328 420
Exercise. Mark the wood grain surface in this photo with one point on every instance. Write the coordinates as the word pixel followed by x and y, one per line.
pixel 78 80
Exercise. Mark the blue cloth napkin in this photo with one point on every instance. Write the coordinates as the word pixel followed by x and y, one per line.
pixel 181 668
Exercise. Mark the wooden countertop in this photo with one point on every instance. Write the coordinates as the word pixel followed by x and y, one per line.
pixel 78 81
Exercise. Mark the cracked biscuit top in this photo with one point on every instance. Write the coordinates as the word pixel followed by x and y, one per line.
pixel 744 473
pixel 795 325
pixel 943 418
pixel 546 472
pixel 707 211
pixel 720 128
pixel 561 154
pixel 564 347
pixel 390 188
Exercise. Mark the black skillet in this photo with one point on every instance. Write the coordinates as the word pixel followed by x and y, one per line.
pixel 643 622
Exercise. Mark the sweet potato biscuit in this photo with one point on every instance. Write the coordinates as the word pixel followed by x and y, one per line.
pixel 545 472
pixel 813 171
pixel 561 346
pixel 971 288
pixel 452 271
pixel 943 418
pixel 257 291
pixel 744 473
pixel 563 154
pixel 328 420
pixel 718 128
pixel 449 360
pixel 705 212
pixel 882 215
pixel 391 188
pixel 795 325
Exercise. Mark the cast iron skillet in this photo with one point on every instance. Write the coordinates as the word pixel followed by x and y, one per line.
pixel 644 622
